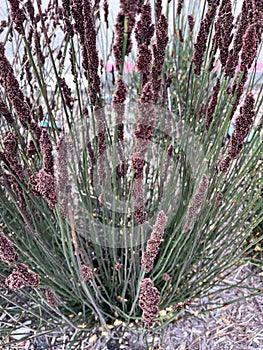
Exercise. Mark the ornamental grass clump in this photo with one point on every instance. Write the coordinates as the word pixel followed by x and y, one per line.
pixel 125 195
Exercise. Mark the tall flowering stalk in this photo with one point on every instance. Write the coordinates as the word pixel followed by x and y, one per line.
pixel 223 27
pixel 76 11
pixel 238 89
pixel 119 98
pixel 125 23
pixel 16 179
pixel 179 7
pixel 82 14
pixel 66 13
pixel 143 34
pixel 10 144
pixel 212 104
pixel 119 39
pixel 66 92
pixel 159 54
pixel 249 47
pixel 7 251
pixel 243 125
pixel 62 185
pixel 22 277
pixel 143 135
pixel 106 12
pixel 258 17
pixel 17 15
pixel 129 9
pixel 155 240
pixel 158 8
pixel 5 111
pixel 86 28
pixel 202 37
pixel 50 296
pixel 44 182
pixel 233 56
pixel 119 107
pixel 197 203
pixel 46 150
pixel 144 28
pixel 15 95
pixel 149 301
pixel 144 61
pixel 248 54
pixel 92 53
pixel 45 185
pixel 101 143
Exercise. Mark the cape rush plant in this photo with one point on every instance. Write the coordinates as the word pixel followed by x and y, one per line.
pixel 123 192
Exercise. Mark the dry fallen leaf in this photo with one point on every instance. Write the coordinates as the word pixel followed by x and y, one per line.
pixel 93 339
pixel 117 323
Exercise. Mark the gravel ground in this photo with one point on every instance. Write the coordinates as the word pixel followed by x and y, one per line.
pixel 238 326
